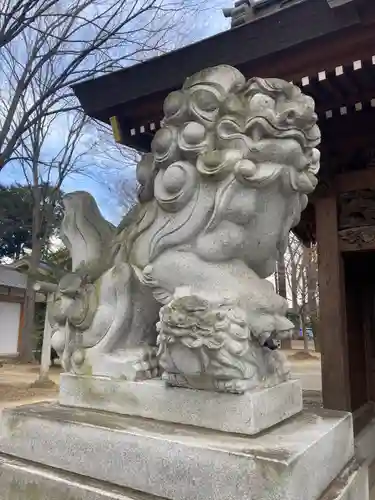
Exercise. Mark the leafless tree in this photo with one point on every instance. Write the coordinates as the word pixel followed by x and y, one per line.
pixel 47 46
pixel 117 170
pixel 58 43
pixel 301 275
pixel 313 291
pixel 281 288
pixel 16 15
pixel 44 171
pixel 280 277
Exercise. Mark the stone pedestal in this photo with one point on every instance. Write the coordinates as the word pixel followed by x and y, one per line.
pixel 155 442
pixel 25 480
pixel 186 271
pixel 250 413
pixel 49 450
pixel 351 484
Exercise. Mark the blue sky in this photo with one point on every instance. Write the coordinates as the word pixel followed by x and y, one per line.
pixel 209 22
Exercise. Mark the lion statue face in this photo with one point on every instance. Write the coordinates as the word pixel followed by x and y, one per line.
pixel 230 169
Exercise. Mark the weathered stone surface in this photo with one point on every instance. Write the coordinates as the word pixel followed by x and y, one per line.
pixel 23 480
pixel 365 443
pixel 249 413
pixel 351 484
pixel 181 283
pixel 295 460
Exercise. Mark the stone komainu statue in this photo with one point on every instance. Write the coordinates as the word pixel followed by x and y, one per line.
pixel 179 287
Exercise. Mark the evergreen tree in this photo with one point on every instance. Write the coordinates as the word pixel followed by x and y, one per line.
pixel 16 212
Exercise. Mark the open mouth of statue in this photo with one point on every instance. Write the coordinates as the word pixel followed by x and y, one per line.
pixel 260 127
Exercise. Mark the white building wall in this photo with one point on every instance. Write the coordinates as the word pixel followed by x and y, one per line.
pixel 10 313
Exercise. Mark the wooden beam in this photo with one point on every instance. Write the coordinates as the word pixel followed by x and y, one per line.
pixel 332 324
pixel 116 129
pixel 45 287
pixel 12 298
pixel 363 417
pixel 355 181
pixel 301 23
pixel 338 3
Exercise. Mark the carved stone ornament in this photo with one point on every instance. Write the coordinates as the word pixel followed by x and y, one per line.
pixel 357 208
pixel 179 287
pixel 357 238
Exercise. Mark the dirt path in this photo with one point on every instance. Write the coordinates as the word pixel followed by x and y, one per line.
pixel 16 380
pixel 16 385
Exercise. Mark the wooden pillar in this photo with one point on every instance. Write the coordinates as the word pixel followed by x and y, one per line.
pixel 22 317
pixel 49 289
pixel 45 363
pixel 332 318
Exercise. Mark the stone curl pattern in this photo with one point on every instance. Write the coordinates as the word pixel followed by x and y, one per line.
pixel 227 177
pixel 221 134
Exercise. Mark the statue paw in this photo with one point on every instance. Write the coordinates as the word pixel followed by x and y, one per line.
pixel 269 327
pixel 270 343
pixel 141 363
pixel 66 360
pixel 175 379
pixel 234 386
pixel 146 368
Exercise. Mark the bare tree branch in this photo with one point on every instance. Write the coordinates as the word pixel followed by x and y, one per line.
pixel 58 43
pixel 15 16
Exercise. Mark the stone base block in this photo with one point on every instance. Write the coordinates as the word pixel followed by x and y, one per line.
pixel 296 460
pixel 250 413
pixel 351 484
pixel 23 480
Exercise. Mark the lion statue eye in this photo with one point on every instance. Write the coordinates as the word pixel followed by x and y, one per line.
pixel 162 141
pixel 173 103
pixel 205 100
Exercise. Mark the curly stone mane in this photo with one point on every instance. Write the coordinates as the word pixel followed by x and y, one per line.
pixel 226 179
pixel 219 133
